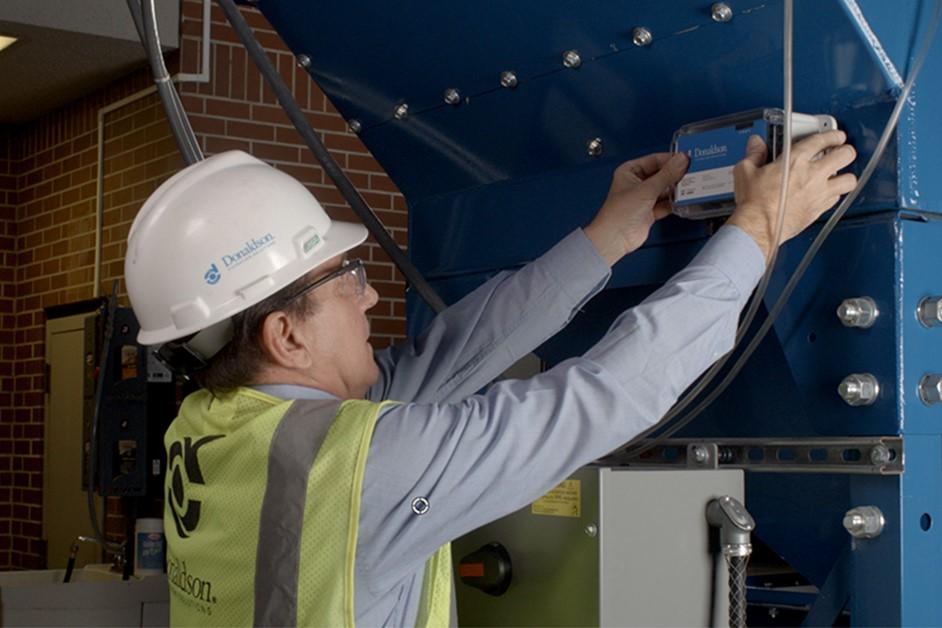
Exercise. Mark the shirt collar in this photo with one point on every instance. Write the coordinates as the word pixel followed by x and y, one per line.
pixel 292 391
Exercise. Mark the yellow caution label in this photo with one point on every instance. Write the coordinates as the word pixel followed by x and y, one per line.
pixel 563 501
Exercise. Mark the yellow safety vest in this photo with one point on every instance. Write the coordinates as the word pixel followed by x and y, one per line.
pixel 262 512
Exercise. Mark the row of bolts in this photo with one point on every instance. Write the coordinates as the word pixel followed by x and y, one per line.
pixel 640 36
pixel 863 389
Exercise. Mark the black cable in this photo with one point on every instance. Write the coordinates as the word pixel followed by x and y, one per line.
pixel 737 590
pixel 99 537
pixel 273 78
pixel 146 24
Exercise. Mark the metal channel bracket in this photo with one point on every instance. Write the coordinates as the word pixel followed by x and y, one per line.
pixel 876 455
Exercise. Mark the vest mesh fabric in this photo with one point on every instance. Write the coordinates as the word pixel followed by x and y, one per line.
pixel 223 547
pixel 220 551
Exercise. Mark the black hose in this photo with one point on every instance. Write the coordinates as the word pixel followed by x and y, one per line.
pixel 737 590
pixel 70 565
pixel 99 537
pixel 146 24
pixel 273 78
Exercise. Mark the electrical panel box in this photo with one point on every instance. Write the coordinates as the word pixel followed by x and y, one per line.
pixel 138 402
pixel 715 146
pixel 607 547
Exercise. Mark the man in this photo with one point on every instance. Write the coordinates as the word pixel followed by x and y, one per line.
pixel 292 501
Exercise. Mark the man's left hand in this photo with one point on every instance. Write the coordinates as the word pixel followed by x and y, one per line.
pixel 637 198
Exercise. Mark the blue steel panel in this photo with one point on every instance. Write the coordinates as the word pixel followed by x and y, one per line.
pixel 920 549
pixel 633 98
pixel 921 347
pixel 876 563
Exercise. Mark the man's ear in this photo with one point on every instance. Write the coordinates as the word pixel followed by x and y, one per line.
pixel 283 341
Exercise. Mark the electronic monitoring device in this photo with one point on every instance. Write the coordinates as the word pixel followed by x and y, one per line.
pixel 715 146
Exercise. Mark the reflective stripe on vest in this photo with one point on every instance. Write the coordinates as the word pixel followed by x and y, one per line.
pixel 304 520
pixel 294 446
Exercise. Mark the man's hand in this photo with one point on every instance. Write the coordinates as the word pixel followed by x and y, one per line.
pixel 813 186
pixel 638 197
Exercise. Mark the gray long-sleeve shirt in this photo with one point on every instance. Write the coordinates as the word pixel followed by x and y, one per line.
pixel 477 457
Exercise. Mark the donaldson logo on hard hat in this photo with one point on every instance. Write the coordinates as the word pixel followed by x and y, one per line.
pixel 251 247
pixel 230 260
pixel 212 275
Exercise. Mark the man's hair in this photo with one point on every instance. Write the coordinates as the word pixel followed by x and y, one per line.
pixel 238 362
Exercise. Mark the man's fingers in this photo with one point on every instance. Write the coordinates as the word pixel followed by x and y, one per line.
pixel 756 151
pixel 837 159
pixel 842 184
pixel 811 146
pixel 670 173
pixel 644 167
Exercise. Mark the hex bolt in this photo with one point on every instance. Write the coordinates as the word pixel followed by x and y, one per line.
pixel 594 147
pixel 930 312
pixel 641 37
pixel 355 125
pixel 452 96
pixel 700 454
pixel 508 79
pixel 571 59
pixel 401 111
pixel 721 12
pixel 304 61
pixel 879 455
pixel 930 389
pixel 864 522
pixel 591 530
pixel 860 312
pixel 859 389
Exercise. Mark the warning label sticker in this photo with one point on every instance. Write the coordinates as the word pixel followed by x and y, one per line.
pixel 563 501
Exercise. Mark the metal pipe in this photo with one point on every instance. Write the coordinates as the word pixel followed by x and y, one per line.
pixel 350 193
pixel 179 125
pixel 201 77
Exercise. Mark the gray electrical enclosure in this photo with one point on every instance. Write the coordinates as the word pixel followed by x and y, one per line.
pixel 614 548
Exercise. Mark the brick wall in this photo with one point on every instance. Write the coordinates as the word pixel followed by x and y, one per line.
pixel 238 111
pixel 8 159
pixel 48 171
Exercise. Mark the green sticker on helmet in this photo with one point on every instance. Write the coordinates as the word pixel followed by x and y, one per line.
pixel 310 244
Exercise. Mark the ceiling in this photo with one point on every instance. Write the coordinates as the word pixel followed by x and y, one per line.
pixel 66 49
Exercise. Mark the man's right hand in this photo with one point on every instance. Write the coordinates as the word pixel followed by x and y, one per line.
pixel 813 186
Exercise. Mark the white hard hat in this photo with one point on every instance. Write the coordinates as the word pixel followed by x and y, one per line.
pixel 219 237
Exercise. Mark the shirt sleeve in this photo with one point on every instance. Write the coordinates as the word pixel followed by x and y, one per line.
pixel 493 453
pixel 475 340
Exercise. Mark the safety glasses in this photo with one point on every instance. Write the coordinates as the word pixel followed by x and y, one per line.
pixel 352 275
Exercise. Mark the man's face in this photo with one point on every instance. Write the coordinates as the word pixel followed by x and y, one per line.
pixel 339 332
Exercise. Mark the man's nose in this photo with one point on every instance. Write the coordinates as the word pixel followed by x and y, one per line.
pixel 370 297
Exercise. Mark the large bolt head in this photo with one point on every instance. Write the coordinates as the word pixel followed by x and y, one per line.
pixel 594 147
pixel 930 312
pixel 861 312
pixel 930 389
pixel 859 389
pixel 401 111
pixel 452 96
pixel 508 79
pixel 641 37
pixel 864 522
pixel 571 59
pixel 721 12
pixel 304 61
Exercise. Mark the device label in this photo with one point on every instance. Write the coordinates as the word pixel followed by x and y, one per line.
pixel 713 154
pixel 563 501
